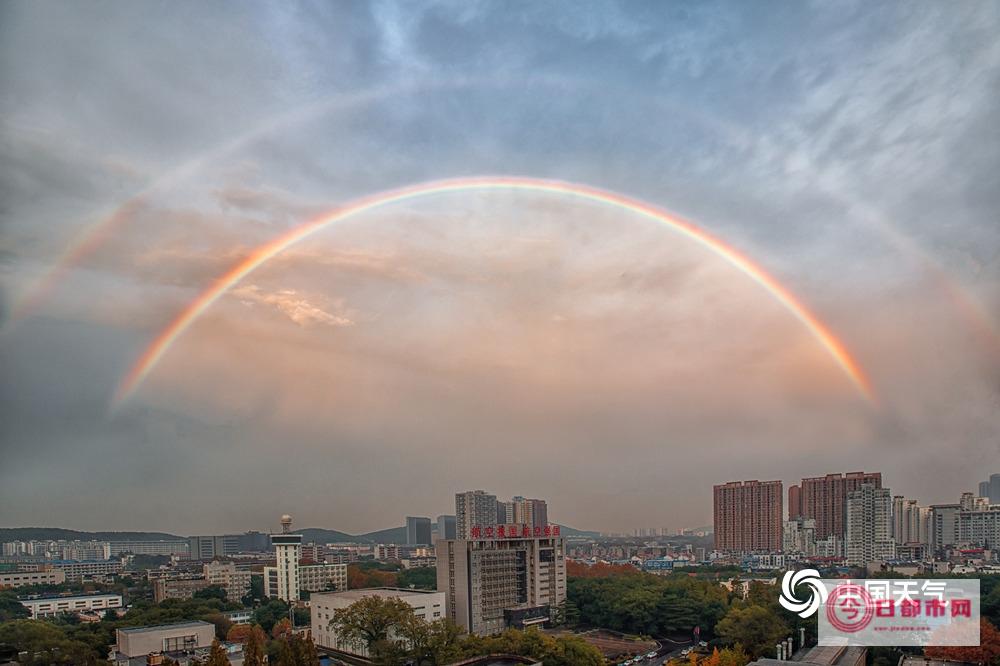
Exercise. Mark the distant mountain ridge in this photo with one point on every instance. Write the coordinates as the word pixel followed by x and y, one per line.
pixel 309 534
pixel 62 534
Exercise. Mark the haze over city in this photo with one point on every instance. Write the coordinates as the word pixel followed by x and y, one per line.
pixel 529 340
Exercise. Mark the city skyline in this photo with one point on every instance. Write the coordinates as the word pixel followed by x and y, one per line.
pixel 676 245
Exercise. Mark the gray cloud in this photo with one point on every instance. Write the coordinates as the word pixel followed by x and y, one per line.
pixel 539 345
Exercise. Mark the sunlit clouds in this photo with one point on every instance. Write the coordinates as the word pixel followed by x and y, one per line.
pixel 531 344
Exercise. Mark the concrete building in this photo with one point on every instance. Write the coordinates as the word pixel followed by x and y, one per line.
pixel 991 489
pixel 493 582
pixel 287 551
pixel 799 537
pixel 48 606
pixel 323 577
pixel 12 579
pixel 98 570
pixel 794 502
pixel 177 588
pixel 869 526
pixel 824 498
pixel 748 516
pixel 428 606
pixel 418 531
pixel 163 638
pixel 474 507
pixel 944 526
pixel 446 527
pixel 163 547
pixel 227 575
pixel 212 547
pixel 980 527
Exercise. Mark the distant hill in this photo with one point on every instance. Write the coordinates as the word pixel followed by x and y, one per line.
pixel 388 535
pixel 59 533
pixel 320 535
pixel 309 535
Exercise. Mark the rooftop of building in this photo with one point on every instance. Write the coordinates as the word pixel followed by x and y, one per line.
pixel 829 655
pixel 384 592
pixel 68 597
pixel 164 627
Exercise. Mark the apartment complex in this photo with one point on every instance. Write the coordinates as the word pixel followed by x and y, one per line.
pixel 824 498
pixel 474 507
pixel 427 605
pixel 868 535
pixel 99 570
pixel 748 516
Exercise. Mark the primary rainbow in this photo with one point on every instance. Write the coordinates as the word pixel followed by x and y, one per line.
pixel 156 350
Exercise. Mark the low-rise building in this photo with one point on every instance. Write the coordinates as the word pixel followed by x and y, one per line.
pixel 227 575
pixel 10 579
pixel 427 605
pixel 49 606
pixel 177 588
pixel 79 570
pixel 311 578
pixel 183 637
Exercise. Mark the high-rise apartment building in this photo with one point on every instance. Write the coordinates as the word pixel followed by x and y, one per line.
pixel 825 499
pixel 287 551
pixel 446 527
pixel 523 511
pixel 474 507
pixel 794 502
pixel 748 516
pixel 910 522
pixel 418 531
pixel 868 536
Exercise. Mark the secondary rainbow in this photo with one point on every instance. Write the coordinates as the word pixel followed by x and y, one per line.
pixel 162 343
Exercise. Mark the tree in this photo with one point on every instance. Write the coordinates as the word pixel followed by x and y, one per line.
pixel 217 656
pixel 239 633
pixel 268 614
pixel 756 628
pixel 11 608
pixel 421 578
pixel 211 592
pixel 281 628
pixel 434 644
pixel 254 649
pixel 375 622
pixel 110 615
pixel 987 652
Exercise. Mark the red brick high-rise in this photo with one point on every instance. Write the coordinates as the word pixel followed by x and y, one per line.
pixel 794 502
pixel 748 516
pixel 824 498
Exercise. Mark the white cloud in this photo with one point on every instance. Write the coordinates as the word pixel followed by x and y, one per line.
pixel 293 305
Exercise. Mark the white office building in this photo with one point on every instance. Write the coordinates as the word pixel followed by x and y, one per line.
pixel 427 605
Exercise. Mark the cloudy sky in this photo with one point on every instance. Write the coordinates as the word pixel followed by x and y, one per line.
pixel 524 342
